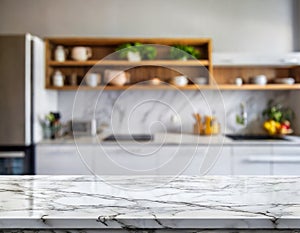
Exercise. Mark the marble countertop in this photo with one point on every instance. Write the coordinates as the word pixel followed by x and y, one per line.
pixel 162 202
pixel 173 139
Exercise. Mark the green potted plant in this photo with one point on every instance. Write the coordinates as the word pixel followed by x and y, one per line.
pixel 136 51
pixel 184 52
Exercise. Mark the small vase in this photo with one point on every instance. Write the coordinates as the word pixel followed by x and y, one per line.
pixel 134 56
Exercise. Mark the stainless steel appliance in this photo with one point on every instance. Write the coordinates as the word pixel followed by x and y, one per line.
pixel 83 128
pixel 16 104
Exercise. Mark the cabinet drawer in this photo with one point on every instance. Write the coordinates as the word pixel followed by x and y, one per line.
pixel 252 160
pixel 195 161
pixel 286 160
pixel 286 150
pixel 127 160
pixel 61 160
pixel 180 160
pixel 220 162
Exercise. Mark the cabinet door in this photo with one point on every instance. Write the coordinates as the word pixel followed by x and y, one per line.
pixel 252 160
pixel 125 160
pixel 191 160
pixel 62 160
pixel 286 160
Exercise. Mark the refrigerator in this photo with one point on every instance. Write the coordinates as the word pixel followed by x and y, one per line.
pixel 22 99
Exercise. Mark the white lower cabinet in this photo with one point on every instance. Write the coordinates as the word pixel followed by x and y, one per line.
pixel 167 160
pixel 218 161
pixel 286 160
pixel 126 160
pixel 62 160
pixel 251 160
pixel 179 160
pixel 132 160
pixel 192 160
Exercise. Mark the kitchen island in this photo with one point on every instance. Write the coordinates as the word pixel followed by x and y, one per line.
pixel 149 203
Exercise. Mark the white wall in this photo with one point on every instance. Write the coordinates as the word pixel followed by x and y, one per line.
pixel 263 26
pixel 234 25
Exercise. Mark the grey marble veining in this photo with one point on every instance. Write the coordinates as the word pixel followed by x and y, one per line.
pixel 147 231
pixel 130 203
pixel 153 111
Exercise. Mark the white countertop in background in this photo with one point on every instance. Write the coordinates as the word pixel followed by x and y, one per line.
pixel 172 139
pixel 149 202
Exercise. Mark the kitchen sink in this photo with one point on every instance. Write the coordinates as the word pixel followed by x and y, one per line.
pixel 240 137
pixel 129 137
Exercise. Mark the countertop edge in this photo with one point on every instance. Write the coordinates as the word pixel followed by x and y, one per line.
pixel 102 222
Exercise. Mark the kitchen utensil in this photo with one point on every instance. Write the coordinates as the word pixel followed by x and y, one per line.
pixel 58 78
pixel 81 53
pixel 199 80
pixel 179 80
pixel 92 79
pixel 116 77
pixel 287 80
pixel 60 53
pixel 198 126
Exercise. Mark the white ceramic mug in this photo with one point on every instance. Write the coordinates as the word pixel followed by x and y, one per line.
pixel 81 53
pixel 92 79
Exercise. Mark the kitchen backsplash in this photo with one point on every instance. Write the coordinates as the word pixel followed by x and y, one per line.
pixel 138 111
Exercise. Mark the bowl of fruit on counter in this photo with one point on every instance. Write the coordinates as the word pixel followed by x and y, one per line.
pixel 278 119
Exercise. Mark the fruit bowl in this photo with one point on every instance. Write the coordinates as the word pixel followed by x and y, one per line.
pixel 278 128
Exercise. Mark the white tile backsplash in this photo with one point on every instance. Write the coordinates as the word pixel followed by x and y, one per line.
pixel 154 111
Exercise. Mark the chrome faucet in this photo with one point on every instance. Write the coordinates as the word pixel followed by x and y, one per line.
pixel 242 118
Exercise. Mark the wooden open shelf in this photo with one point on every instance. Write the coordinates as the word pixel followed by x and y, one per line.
pixel 127 63
pixel 104 57
pixel 187 87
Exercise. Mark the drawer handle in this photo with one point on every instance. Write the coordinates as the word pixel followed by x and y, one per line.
pixel 12 154
pixel 277 159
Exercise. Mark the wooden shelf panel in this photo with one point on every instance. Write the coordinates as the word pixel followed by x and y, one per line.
pixel 131 87
pixel 104 41
pixel 259 87
pixel 128 63
pixel 188 87
pixel 278 66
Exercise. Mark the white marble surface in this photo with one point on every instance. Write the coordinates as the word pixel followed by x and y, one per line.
pixel 128 203
pixel 154 111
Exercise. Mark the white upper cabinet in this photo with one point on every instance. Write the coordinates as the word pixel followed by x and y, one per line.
pixel 256 59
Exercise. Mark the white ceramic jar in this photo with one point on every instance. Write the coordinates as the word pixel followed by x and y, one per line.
pixel 58 79
pixel 60 53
